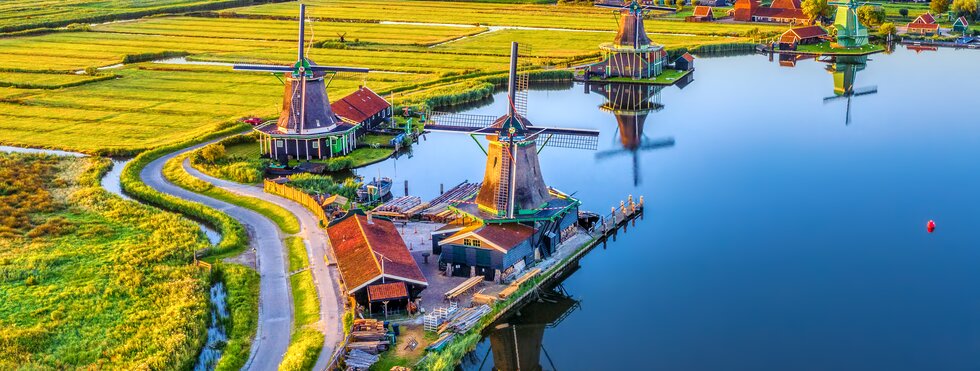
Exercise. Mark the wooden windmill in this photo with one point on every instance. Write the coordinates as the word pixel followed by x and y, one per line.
pixel 512 187
pixel 845 71
pixel 850 32
pixel 631 103
pixel 632 53
pixel 305 104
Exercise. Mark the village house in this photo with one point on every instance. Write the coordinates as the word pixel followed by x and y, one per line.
pixel 701 14
pixel 961 25
pixel 684 63
pixel 363 107
pixel 487 250
pixel 801 35
pixel 376 267
pixel 925 18
pixel 780 11
pixel 922 29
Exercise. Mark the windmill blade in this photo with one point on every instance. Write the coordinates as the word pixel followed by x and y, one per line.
pixel 660 8
pixel 866 90
pixel 458 122
pixel 847 119
pixel 609 6
pixel 656 144
pixel 339 69
pixel 565 138
pixel 611 153
pixel 262 68
pixel 833 98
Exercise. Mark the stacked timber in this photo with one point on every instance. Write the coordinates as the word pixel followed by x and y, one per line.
pixel 438 208
pixel 463 287
pixel 358 360
pixel 514 286
pixel 369 336
pixel 464 320
pixel 401 207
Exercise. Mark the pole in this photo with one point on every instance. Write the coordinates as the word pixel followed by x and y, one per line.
pixel 302 30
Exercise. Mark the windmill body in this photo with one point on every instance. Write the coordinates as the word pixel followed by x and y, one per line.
pixel 514 218
pixel 631 54
pixel 631 103
pixel 845 69
pixel 850 32
pixel 307 127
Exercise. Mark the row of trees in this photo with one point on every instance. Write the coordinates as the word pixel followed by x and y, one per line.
pixel 874 16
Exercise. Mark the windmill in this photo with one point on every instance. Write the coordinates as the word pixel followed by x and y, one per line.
pixel 513 188
pixel 632 53
pixel 850 32
pixel 845 70
pixel 306 106
pixel 631 103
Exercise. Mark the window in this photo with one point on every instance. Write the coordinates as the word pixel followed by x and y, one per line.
pixel 279 143
pixel 317 143
pixel 471 242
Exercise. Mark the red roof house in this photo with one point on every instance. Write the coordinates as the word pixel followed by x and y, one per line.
pixel 922 28
pixel 925 19
pixel 701 14
pixel 781 11
pixel 370 252
pixel 363 106
pixel 801 35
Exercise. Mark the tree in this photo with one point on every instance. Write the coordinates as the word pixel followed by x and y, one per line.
pixel 965 7
pixel 904 12
pixel 814 9
pixel 91 71
pixel 871 16
pixel 887 29
pixel 939 6
pixel 212 153
pixel 679 5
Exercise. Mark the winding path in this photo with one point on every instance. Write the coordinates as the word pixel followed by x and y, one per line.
pixel 315 238
pixel 275 305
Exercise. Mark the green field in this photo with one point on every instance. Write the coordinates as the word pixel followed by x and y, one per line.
pixel 98 282
pixel 28 14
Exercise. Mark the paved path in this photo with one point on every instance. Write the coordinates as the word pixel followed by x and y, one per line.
pixel 315 237
pixel 275 305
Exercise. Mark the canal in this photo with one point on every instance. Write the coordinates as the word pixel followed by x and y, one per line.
pixel 778 234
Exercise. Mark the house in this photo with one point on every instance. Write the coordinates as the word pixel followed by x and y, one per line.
pixel 685 62
pixel 801 35
pixel 487 250
pixel 376 268
pixel 363 107
pixel 925 18
pixel 701 14
pixel 780 11
pixel 924 29
pixel 961 25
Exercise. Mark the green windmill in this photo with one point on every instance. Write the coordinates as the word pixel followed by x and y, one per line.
pixel 850 32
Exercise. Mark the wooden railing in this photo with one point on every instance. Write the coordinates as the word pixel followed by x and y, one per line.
pixel 299 197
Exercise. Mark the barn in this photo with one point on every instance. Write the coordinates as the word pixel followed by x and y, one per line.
pixel 363 107
pixel 801 35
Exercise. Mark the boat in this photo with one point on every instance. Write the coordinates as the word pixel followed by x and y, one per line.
pixel 374 190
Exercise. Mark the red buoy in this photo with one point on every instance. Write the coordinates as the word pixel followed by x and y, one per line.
pixel 931 226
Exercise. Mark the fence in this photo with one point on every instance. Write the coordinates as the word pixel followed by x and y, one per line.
pixel 299 197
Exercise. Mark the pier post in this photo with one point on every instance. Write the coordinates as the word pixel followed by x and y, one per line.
pixel 406 187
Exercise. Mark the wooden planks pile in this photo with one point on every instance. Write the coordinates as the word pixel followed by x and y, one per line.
pixel 463 287
pixel 514 286
pixel 401 207
pixel 359 360
pixel 369 336
pixel 438 208
pixel 464 320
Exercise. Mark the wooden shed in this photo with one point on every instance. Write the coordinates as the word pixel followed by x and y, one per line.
pixel 685 62
pixel 701 14
pixel 801 35
pixel 961 25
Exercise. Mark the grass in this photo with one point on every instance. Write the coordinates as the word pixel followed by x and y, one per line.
pixel 175 173
pixel 668 77
pixel 375 140
pixel 358 158
pixel 297 254
pixel 307 342
pixel 285 30
pixel 30 14
pixel 242 284
pixel 827 48
pixel 95 266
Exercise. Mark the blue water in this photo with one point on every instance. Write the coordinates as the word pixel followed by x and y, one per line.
pixel 776 237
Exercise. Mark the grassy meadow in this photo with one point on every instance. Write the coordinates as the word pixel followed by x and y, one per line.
pixel 89 280
pixel 127 108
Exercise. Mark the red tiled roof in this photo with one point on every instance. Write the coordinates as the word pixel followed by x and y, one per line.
pixel 688 57
pixel 925 18
pixel 786 4
pixel 356 245
pixel 788 38
pixel 359 105
pixel 808 32
pixel 923 26
pixel 387 291
pixel 780 13
pixel 702 11
pixel 962 21
pixel 506 236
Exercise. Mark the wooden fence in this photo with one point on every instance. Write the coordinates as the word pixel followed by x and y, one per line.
pixel 298 196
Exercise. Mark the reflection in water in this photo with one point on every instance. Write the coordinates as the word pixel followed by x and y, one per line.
pixel 845 69
pixel 631 103
pixel 516 342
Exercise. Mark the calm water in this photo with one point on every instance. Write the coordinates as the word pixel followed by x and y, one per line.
pixel 776 237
